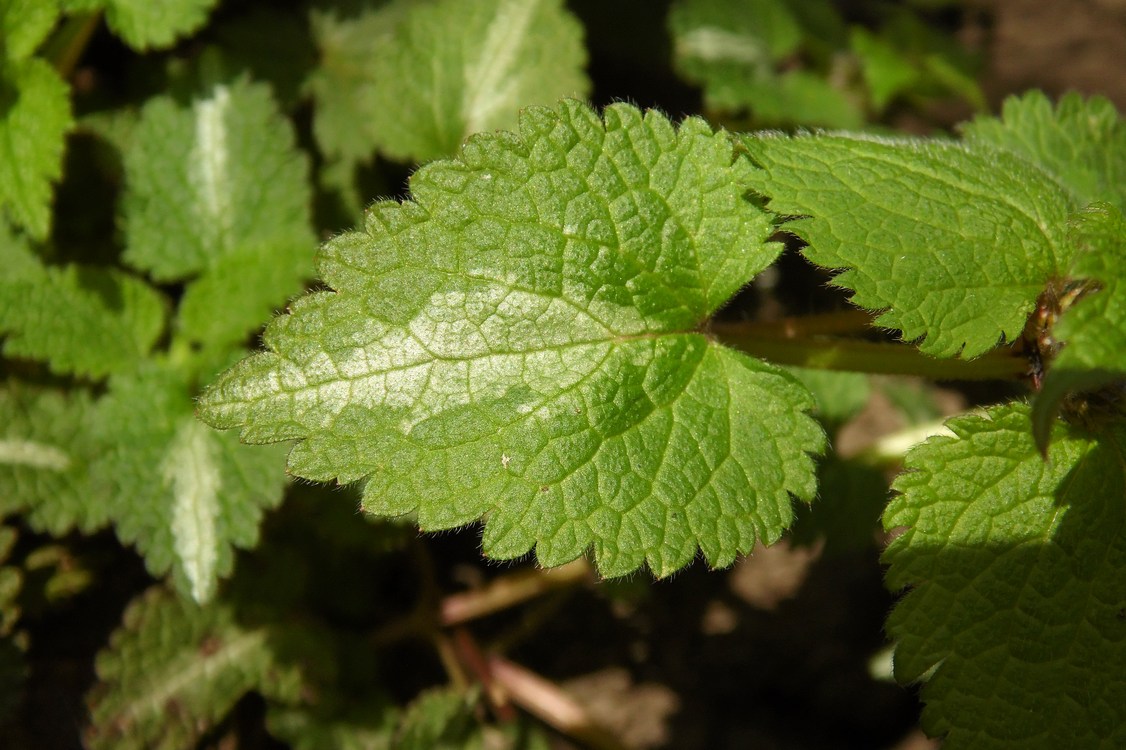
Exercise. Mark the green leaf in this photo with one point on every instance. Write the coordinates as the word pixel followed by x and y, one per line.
pixel 155 24
pixel 733 50
pixel 717 39
pixel 795 96
pixel 886 71
pixel 1082 142
pixel 220 190
pixel 24 24
pixel 839 395
pixel 521 343
pixel 1015 621
pixel 342 727
pixel 34 119
pixel 954 244
pixel 80 320
pixel 183 494
pixel 414 79
pixel 1094 329
pixel 174 669
pixel 46 450
pixel 440 719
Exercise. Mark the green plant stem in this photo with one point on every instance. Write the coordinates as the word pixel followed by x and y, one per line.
pixel 865 356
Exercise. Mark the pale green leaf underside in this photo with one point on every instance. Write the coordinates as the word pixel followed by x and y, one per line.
pixel 155 24
pixel 1095 328
pixel 1080 141
pixel 953 244
pixel 87 321
pixel 516 345
pixel 1016 618
pixel 185 495
pixel 174 669
pixel 33 123
pixel 436 72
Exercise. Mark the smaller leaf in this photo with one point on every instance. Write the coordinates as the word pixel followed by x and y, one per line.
pixel 24 24
pixel 218 190
pixel 886 71
pixel 174 669
pixel 415 79
pixel 1094 329
pixel 365 724
pixel 839 395
pixel 47 446
pixel 149 24
pixel 440 719
pixel 85 321
pixel 1080 141
pixel 34 118
pixel 211 179
pixel 735 51
pixel 185 495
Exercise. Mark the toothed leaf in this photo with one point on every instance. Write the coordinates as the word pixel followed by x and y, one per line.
pixel 414 79
pixel 218 191
pixel 1080 141
pixel 520 343
pixel 185 495
pixel 80 320
pixel 34 118
pixel 154 24
pixel 174 669
pixel 954 244
pixel 1015 620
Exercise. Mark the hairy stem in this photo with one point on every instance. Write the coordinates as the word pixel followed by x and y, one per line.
pixel 784 348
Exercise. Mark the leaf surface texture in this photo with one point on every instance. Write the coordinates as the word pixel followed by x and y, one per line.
pixel 520 342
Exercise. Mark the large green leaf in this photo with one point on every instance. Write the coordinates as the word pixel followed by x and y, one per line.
pixel 1015 622
pixel 521 342
pixel 953 244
